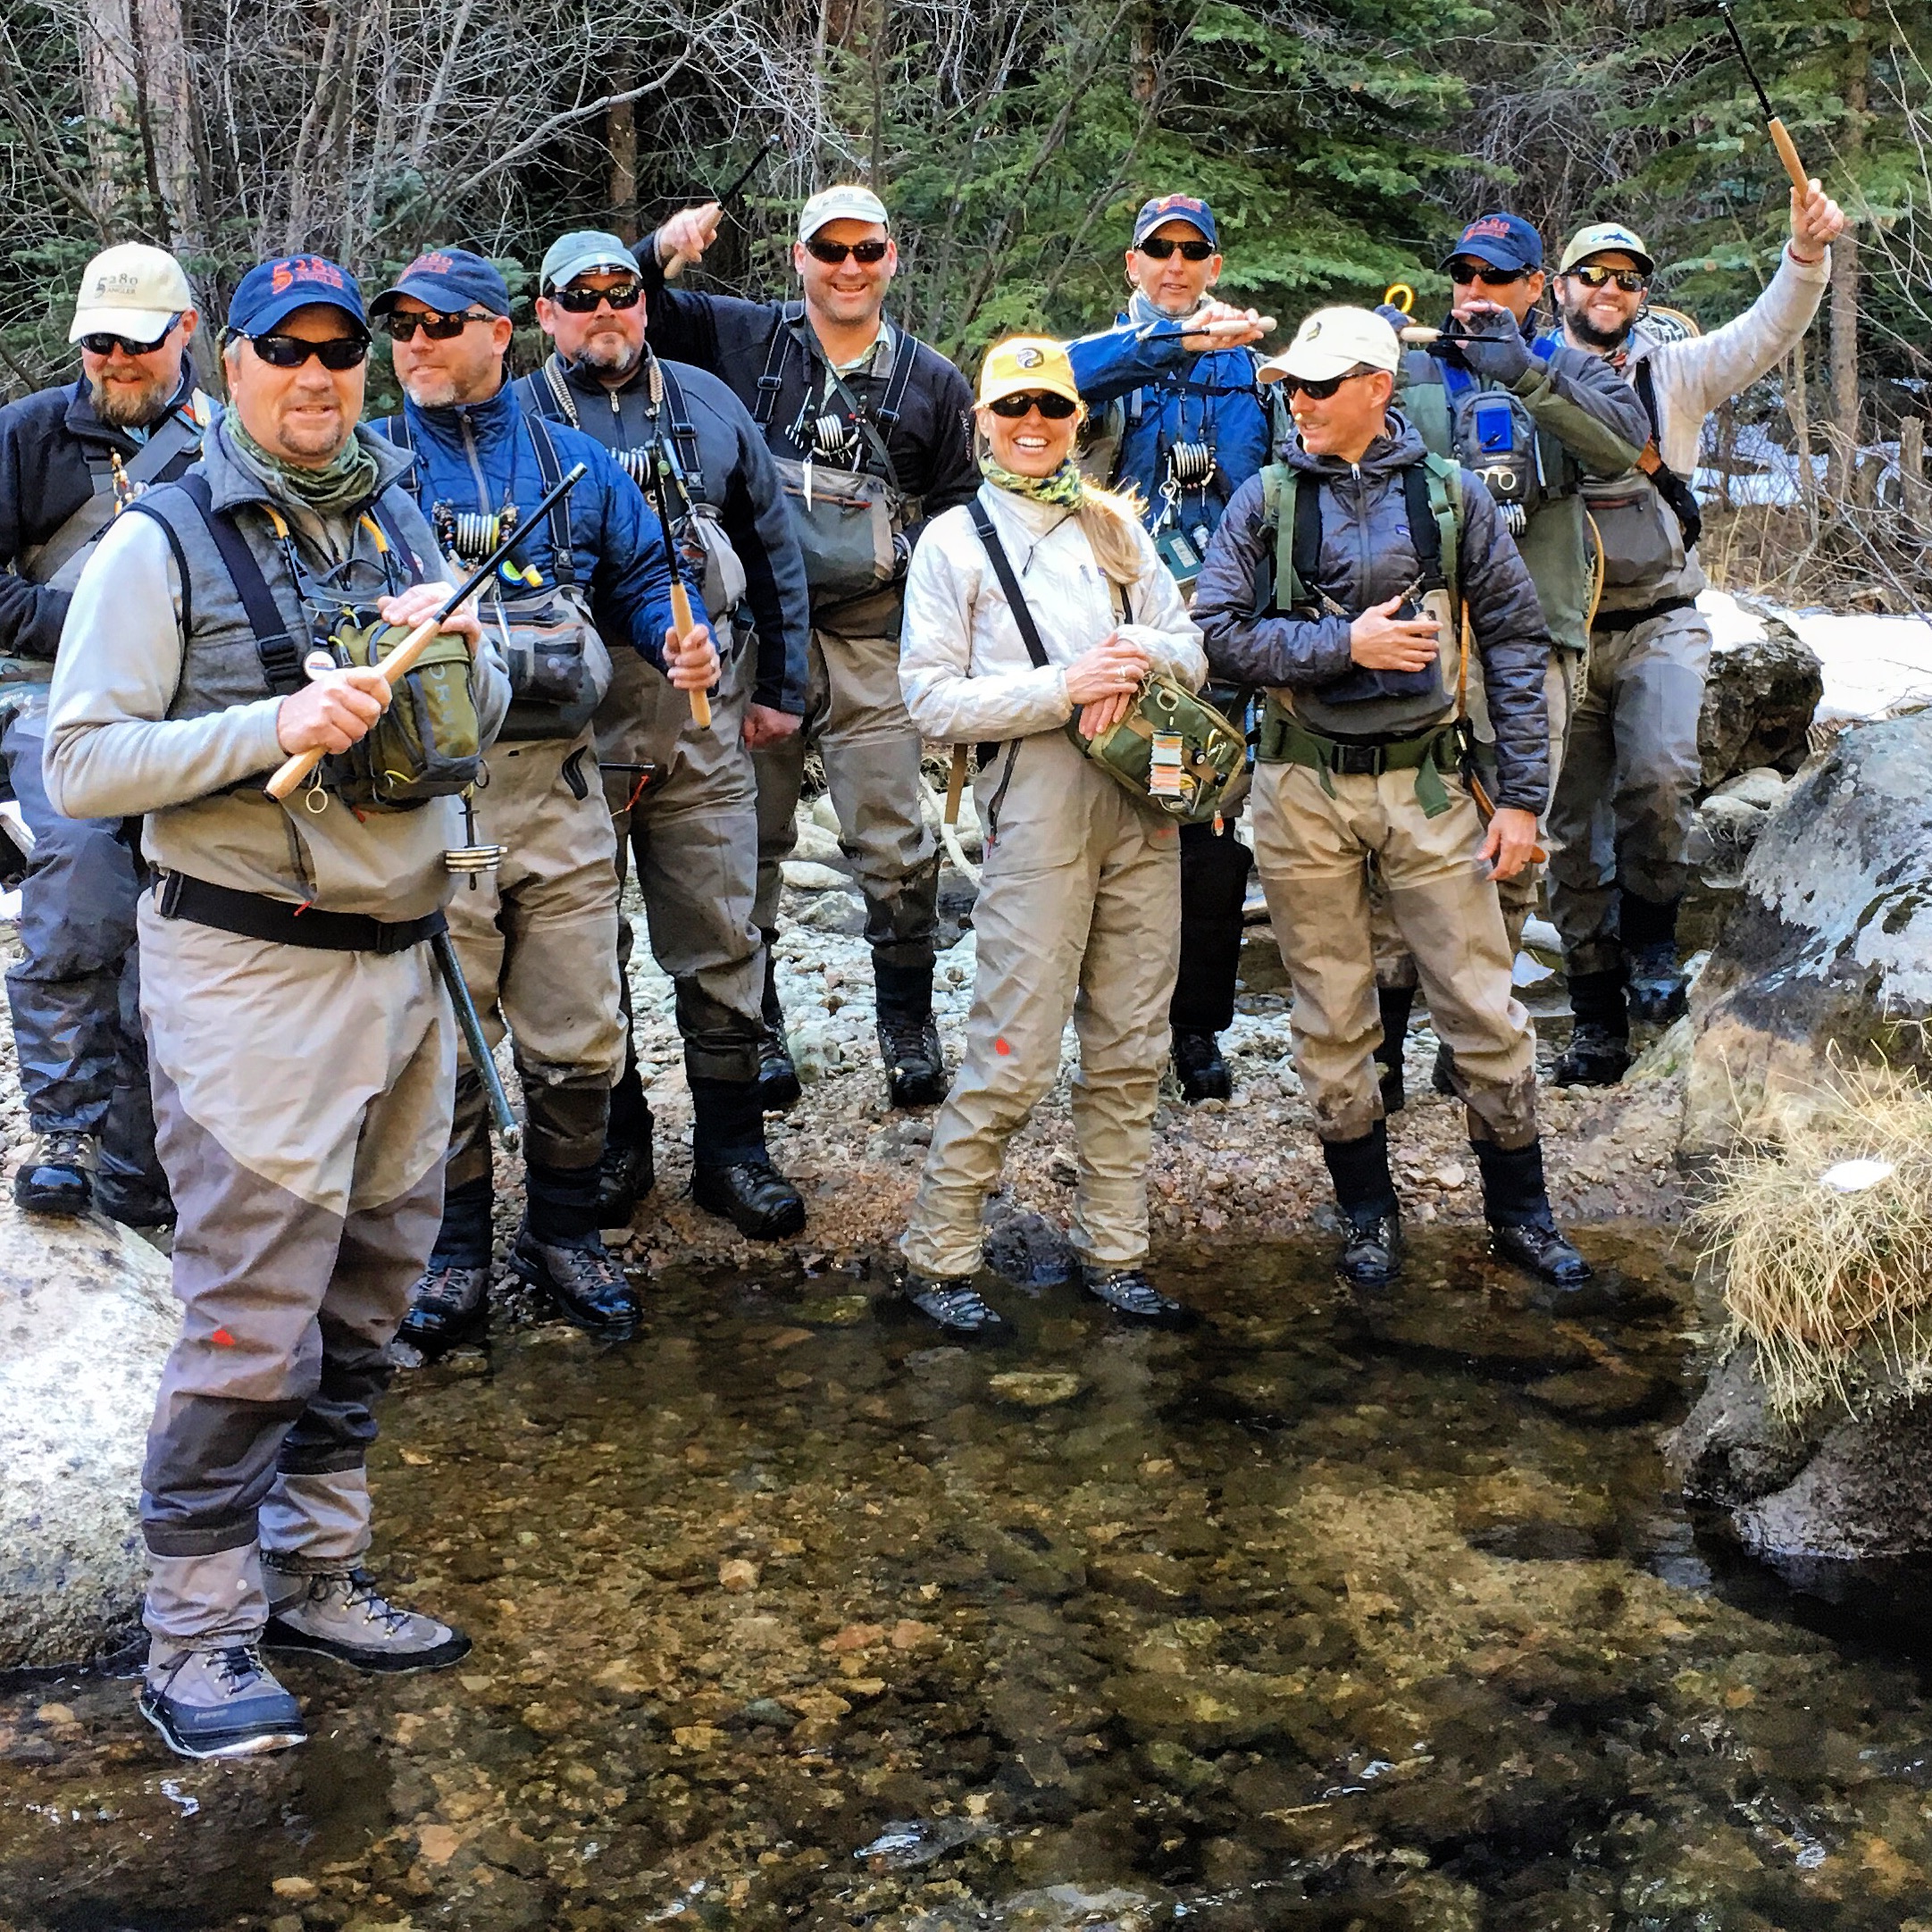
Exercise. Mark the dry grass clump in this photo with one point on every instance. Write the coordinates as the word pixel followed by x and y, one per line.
pixel 1827 1242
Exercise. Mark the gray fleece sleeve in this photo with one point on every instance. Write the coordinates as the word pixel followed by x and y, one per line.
pixel 111 749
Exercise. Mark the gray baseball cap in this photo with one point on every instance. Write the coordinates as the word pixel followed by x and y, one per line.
pixel 582 253
pixel 848 202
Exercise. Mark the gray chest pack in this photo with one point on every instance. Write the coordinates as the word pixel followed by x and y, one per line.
pixel 1491 432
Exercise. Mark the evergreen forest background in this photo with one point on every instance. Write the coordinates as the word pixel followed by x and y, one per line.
pixel 1341 142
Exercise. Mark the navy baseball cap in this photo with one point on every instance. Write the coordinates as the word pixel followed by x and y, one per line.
pixel 273 291
pixel 449 281
pixel 1502 240
pixel 1189 208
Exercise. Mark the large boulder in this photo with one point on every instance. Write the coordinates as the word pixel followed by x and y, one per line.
pixel 1758 704
pixel 1825 961
pixel 86 1318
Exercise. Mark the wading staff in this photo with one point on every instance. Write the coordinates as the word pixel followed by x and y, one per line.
pixel 681 602
pixel 481 1058
pixel 401 661
pixel 675 267
pixel 1787 151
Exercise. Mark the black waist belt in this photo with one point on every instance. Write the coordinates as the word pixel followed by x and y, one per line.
pixel 1629 620
pixel 254 915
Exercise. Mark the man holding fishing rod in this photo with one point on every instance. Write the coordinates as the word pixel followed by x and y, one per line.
pixel 303 1054
pixel 1621 811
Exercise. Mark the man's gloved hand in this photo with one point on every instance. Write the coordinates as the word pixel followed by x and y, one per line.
pixel 1397 319
pixel 1490 344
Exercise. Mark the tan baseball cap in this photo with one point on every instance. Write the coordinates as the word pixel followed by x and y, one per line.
pixel 132 290
pixel 1332 341
pixel 1605 238
pixel 845 203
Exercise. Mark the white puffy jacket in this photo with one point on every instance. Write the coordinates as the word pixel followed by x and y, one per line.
pixel 963 665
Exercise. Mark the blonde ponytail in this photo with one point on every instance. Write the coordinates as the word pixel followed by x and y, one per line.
pixel 1111 521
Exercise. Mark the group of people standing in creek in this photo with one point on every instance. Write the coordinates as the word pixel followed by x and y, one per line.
pixel 311 836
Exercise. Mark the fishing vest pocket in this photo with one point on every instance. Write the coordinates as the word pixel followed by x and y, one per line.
pixel 1496 437
pixel 1642 539
pixel 428 743
pixel 559 666
pixel 845 522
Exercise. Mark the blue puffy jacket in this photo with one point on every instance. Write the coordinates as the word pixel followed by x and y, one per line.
pixel 479 456
pixel 1173 395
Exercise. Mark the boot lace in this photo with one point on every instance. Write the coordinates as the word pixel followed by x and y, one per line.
pixel 452 1288
pixel 61 1148
pixel 359 1593
pixel 907 1040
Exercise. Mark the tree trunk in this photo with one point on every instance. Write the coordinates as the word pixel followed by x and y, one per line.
pixel 621 132
pixel 1845 273
pixel 1913 504
pixel 135 85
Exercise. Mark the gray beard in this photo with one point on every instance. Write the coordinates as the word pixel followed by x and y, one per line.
pixel 609 356
pixel 138 411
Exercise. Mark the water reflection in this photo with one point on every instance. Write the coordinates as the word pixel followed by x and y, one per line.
pixel 1323 1615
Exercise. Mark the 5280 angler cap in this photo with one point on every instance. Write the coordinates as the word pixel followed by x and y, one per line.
pixel 1332 342
pixel 449 281
pixel 849 202
pixel 273 291
pixel 1165 208
pixel 133 290
pixel 1027 365
pixel 1502 240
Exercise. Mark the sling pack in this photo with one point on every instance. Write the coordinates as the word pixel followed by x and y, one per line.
pixel 1431 492
pixel 426 745
pixel 1648 519
pixel 1492 431
pixel 1177 753
pixel 559 665
pixel 846 518
pixel 57 562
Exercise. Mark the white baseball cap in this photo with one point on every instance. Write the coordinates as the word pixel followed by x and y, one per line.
pixel 847 203
pixel 1332 341
pixel 132 290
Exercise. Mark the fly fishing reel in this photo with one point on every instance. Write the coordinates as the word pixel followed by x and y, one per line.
pixel 834 438
pixel 471 535
pixel 1189 465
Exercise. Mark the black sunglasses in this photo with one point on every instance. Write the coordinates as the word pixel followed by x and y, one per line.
pixel 1594 275
pixel 1485 273
pixel 1158 247
pixel 101 343
pixel 835 252
pixel 290 352
pixel 1319 391
pixel 577 301
pixel 400 327
pixel 1054 408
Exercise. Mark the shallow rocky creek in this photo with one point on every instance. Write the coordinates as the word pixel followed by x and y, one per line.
pixel 1363 1618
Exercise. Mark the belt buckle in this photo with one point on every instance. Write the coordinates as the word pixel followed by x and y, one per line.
pixel 1359 761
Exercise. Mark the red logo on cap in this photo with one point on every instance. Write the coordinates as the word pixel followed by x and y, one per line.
pixel 431 265
pixel 1182 201
pixel 297 268
pixel 1494 227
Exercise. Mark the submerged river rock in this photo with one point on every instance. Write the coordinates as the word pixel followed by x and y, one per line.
pixel 1324 1615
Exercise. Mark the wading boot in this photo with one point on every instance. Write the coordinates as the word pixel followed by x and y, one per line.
pixel 731 1174
pixel 1128 1291
pixel 628 1169
pixel 1599 1051
pixel 448 1306
pixel 132 1201
pixel 583 1279
pixel 56 1176
pixel 1521 1227
pixel 218 1703
pixel 778 1077
pixel 1394 1003
pixel 1371 1253
pixel 1659 991
pixel 954 1303
pixel 1200 1069
pixel 340 1614
pixel 914 1062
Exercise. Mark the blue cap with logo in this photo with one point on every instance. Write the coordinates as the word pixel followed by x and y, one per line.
pixel 1502 240
pixel 1189 208
pixel 449 281
pixel 269 293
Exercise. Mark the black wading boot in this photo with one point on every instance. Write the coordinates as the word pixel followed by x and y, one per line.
pixel 908 1036
pixel 1521 1227
pixel 1372 1254
pixel 1395 1003
pixel 731 1174
pixel 560 1252
pixel 450 1304
pixel 1658 992
pixel 1599 1051
pixel 1200 1069
pixel 778 1077
pixel 628 1170
pixel 55 1177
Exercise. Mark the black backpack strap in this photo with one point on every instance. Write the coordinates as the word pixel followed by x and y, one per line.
pixel 894 400
pixel 281 657
pixel 550 467
pixel 1424 534
pixel 774 378
pixel 1003 569
pixel 1307 553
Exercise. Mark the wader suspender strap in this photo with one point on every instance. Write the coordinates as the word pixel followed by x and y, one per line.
pixel 1664 480
pixel 690 477
pixel 551 469
pixel 792 329
pixel 175 435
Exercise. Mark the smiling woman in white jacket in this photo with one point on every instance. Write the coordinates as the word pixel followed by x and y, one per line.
pixel 1080 899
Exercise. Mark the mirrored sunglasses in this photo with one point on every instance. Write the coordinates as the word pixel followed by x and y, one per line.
pixel 439 328
pixel 101 343
pixel 1054 408
pixel 835 252
pixel 290 352
pixel 576 301
pixel 1594 275
pixel 1158 247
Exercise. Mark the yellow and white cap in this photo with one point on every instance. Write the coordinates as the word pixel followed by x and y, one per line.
pixel 132 290
pixel 1023 365
pixel 1332 341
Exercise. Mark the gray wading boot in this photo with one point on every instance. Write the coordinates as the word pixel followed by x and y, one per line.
pixel 1599 1051
pixel 1128 1291
pixel 583 1278
pixel 449 1304
pixel 778 1077
pixel 341 1614
pixel 56 1177
pixel 1371 1253
pixel 955 1304
pixel 1197 1065
pixel 1658 992
pixel 1393 1003
pixel 1521 1227
pixel 221 1702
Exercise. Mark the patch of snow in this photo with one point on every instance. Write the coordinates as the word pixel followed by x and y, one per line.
pixel 1875 665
